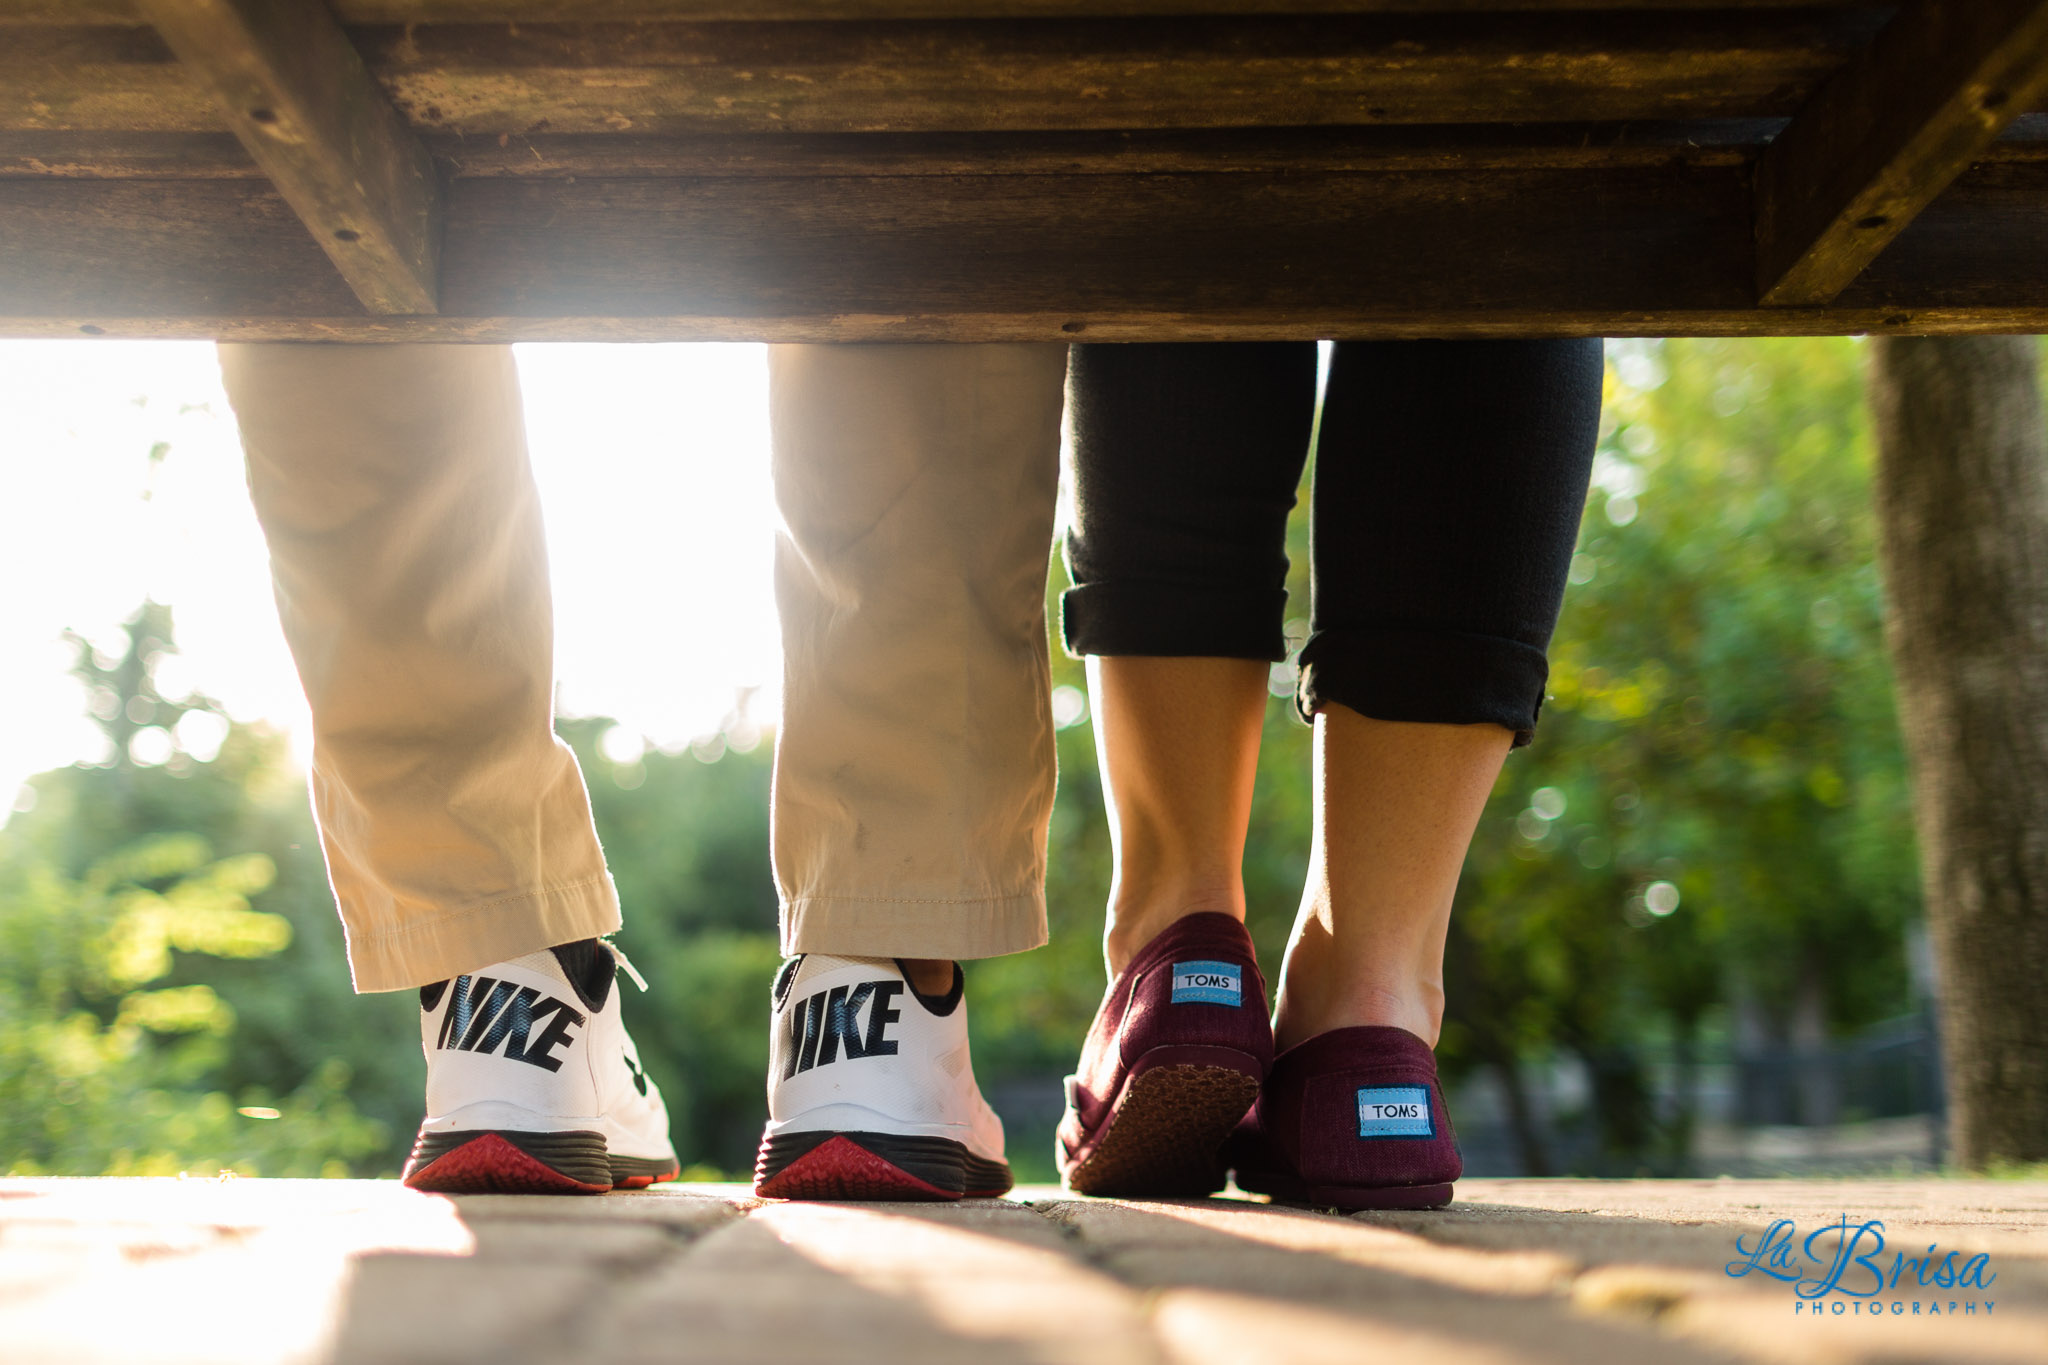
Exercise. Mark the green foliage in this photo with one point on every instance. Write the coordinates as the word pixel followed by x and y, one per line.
pixel 141 964
pixel 1720 722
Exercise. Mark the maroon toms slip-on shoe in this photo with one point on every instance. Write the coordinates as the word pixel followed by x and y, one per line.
pixel 1354 1119
pixel 1172 1062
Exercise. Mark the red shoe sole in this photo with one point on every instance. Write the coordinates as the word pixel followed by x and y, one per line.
pixel 490 1165
pixel 841 1168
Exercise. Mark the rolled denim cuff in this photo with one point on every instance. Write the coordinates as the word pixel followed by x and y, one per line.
pixel 1418 673
pixel 1170 620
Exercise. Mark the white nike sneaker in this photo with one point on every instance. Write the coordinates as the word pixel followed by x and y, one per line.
pixel 533 1086
pixel 871 1093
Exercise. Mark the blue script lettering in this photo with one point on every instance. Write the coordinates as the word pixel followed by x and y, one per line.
pixel 1846 1243
pixel 1828 1261
pixel 1772 1254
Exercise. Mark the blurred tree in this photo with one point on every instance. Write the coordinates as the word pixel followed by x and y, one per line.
pixel 1713 818
pixel 1963 493
pixel 169 957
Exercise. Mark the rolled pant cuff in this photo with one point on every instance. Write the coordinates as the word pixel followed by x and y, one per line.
pixel 1170 620
pixel 1432 676
pixel 434 946
pixel 967 927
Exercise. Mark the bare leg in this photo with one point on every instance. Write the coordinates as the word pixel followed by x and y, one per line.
pixel 1395 807
pixel 1178 742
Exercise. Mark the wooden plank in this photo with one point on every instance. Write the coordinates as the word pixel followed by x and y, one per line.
pixel 117 79
pixel 1967 243
pixel 296 94
pixel 555 11
pixel 1284 71
pixel 1888 134
pixel 676 79
pixel 195 247
pixel 1213 151
pixel 1408 148
pixel 1631 251
pixel 126 156
pixel 776 247
pixel 1334 322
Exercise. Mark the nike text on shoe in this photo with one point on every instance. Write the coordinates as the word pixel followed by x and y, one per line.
pixel 871 1092
pixel 1351 1119
pixel 1172 1062
pixel 533 1086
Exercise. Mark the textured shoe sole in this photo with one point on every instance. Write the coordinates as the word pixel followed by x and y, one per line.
pixel 482 1161
pixel 1166 1134
pixel 879 1166
pixel 1288 1189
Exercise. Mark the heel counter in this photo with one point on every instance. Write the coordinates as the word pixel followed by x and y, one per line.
pixel 1373 1127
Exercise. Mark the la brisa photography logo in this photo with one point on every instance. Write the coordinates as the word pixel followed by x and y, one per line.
pixel 1840 1269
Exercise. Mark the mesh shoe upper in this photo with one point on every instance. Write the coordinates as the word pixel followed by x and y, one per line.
pixel 518 1047
pixel 856 1049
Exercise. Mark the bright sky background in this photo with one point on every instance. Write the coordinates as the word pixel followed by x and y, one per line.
pixel 653 468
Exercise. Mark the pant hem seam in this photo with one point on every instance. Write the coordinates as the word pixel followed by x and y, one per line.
pixel 434 924
pixel 911 900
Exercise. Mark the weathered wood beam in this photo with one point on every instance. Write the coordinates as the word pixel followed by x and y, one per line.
pixel 1593 147
pixel 634 11
pixel 1495 251
pixel 209 156
pixel 1887 134
pixel 297 95
pixel 1000 75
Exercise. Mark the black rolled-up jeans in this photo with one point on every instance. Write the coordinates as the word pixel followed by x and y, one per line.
pixel 1449 481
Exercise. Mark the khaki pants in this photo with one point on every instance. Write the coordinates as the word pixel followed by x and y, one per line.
pixel 914 764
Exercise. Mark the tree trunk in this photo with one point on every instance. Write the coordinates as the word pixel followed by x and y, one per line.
pixel 1962 501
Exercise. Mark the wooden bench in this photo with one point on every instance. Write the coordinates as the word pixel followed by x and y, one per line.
pixel 1020 169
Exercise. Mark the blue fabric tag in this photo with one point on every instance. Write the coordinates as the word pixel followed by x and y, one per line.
pixel 1208 983
pixel 1391 1111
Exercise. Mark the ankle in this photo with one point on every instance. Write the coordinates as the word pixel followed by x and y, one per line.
pixel 929 975
pixel 1302 1014
pixel 1133 924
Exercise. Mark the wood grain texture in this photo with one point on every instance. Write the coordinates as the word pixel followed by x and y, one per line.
pixel 1107 74
pixel 1631 251
pixel 296 95
pixel 126 156
pixel 484 80
pixel 551 11
pixel 1889 133
pixel 1968 245
pixel 1219 151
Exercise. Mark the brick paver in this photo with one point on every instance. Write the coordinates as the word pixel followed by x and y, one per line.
pixel 161 1271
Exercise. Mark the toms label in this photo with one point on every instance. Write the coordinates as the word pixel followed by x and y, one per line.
pixel 1208 983
pixel 1395 1111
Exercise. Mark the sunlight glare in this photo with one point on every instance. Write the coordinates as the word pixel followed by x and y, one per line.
pixel 123 479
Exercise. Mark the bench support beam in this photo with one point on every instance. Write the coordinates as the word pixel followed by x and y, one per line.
pixel 296 93
pixel 1887 134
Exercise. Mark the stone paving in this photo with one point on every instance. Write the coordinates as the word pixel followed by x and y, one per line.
pixel 368 1273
